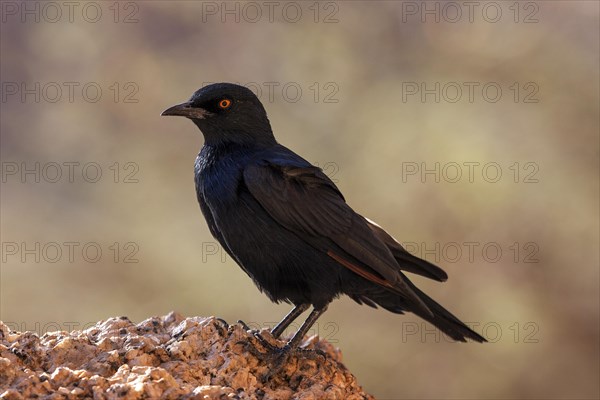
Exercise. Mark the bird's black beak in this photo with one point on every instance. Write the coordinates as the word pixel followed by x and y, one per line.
pixel 187 110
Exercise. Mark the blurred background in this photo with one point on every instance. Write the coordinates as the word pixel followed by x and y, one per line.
pixel 469 132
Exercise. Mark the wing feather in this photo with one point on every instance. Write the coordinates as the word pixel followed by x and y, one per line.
pixel 304 200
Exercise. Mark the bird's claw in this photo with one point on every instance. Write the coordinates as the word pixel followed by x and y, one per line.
pixel 272 355
pixel 277 357
pixel 252 346
pixel 311 354
pixel 245 326
pixel 223 322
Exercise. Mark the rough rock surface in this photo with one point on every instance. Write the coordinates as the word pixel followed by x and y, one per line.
pixel 164 357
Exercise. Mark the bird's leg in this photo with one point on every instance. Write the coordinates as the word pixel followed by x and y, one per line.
pixel 276 331
pixel 294 342
pixel 288 319
pixel 285 322
pixel 310 321
pixel 279 356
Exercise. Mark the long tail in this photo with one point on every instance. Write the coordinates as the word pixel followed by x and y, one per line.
pixel 446 321
pixel 441 318
pixel 390 300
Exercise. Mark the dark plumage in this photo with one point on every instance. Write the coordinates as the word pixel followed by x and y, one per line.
pixel 288 226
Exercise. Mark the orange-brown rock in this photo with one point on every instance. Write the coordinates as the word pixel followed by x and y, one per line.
pixel 163 357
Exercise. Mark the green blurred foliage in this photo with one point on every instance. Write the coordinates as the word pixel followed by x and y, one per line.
pixel 538 306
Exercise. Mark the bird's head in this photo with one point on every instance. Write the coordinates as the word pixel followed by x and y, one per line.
pixel 226 113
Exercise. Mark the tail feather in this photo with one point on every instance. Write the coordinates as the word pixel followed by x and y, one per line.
pixel 446 321
pixel 392 301
pixel 416 265
pixel 443 319
pixel 406 261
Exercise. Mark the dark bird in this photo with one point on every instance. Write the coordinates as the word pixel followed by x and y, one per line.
pixel 288 226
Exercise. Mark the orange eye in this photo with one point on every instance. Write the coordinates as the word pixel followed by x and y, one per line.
pixel 225 103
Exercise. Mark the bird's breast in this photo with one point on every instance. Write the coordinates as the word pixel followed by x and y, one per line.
pixel 217 184
pixel 219 177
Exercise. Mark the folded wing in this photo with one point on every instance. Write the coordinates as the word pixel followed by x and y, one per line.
pixel 305 200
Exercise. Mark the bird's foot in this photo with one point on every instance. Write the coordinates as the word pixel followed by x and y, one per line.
pixel 311 354
pixel 277 357
pixel 258 340
pixel 256 334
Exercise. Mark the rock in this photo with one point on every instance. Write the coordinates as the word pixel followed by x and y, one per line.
pixel 165 357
